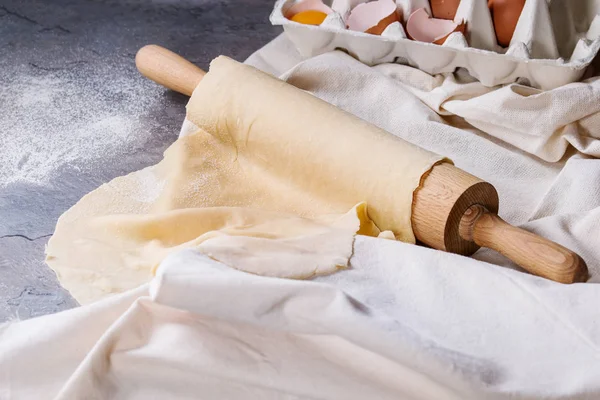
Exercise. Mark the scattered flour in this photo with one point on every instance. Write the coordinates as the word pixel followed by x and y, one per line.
pixel 149 186
pixel 77 117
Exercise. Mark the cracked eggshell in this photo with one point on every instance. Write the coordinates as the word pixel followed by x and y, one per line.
pixel 373 17
pixel 423 28
pixel 505 14
pixel 444 9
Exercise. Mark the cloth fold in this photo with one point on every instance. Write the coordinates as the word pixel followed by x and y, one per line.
pixel 542 123
pixel 401 322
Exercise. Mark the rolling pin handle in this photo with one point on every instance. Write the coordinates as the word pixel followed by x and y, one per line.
pixel 168 69
pixel 534 253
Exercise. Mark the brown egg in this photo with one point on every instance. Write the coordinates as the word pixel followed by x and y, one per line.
pixel 444 9
pixel 505 14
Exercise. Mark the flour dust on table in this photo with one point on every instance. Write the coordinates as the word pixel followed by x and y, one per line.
pixel 57 119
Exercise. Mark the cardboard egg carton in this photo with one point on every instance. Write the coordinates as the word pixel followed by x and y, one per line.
pixel 554 41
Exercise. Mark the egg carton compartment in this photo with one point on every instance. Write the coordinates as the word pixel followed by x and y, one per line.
pixel 552 44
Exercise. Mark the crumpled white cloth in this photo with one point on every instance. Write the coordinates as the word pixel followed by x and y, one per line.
pixel 404 322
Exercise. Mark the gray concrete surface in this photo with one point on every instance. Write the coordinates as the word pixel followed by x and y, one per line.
pixel 68 86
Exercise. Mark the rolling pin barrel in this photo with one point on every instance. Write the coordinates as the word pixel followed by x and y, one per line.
pixel 452 210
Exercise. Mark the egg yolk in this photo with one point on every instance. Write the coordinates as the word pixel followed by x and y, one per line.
pixel 309 17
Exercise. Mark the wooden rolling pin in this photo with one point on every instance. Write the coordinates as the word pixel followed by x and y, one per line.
pixel 452 210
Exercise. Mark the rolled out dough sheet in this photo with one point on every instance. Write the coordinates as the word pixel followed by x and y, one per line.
pixel 274 182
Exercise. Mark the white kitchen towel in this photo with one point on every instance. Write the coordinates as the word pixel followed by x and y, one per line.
pixel 404 322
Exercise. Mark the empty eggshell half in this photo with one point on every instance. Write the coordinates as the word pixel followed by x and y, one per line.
pixel 373 17
pixel 420 26
pixel 309 12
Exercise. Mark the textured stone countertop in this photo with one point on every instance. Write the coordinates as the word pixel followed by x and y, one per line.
pixel 74 112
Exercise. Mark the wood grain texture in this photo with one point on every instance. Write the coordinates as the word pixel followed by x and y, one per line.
pixel 439 203
pixel 532 252
pixel 168 69
pixel 457 212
